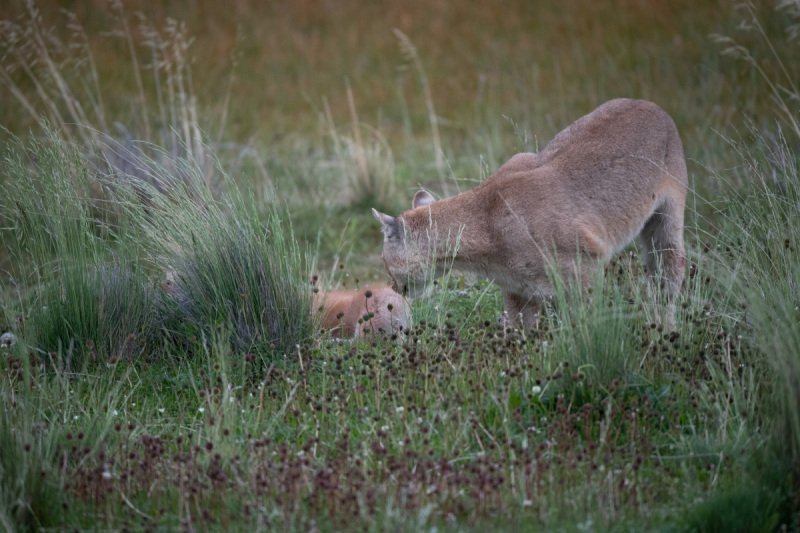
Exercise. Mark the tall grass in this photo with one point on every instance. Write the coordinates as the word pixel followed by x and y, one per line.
pixel 759 238
pixel 221 262
pixel 108 203
pixel 53 76
pixel 83 292
pixel 30 493
pixel 97 285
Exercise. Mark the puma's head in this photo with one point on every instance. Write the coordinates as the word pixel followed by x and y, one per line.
pixel 405 257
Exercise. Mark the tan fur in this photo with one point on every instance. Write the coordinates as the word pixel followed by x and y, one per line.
pixel 614 175
pixel 343 312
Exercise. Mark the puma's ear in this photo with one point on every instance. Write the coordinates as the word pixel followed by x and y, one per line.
pixel 422 198
pixel 389 224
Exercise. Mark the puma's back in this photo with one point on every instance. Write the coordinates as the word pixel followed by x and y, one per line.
pixel 595 184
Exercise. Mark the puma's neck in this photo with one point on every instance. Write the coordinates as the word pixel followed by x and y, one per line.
pixel 458 223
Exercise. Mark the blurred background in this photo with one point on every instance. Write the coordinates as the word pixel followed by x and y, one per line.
pixel 336 106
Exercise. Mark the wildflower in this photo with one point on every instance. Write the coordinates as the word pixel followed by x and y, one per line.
pixel 160 409
pixel 201 409
pixel 536 390
pixel 399 409
pixel 114 412
pixel 7 340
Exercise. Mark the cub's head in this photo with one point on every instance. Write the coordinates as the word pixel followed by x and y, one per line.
pixel 405 252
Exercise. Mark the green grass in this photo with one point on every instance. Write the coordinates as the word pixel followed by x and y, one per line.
pixel 164 206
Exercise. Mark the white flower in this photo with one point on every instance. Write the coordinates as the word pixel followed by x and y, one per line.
pixel 114 412
pixel 160 409
pixel 75 417
pixel 384 428
pixel 201 409
pixel 536 390
pixel 399 409
pixel 8 340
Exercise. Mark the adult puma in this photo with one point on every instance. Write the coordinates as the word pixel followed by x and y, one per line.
pixel 378 310
pixel 614 175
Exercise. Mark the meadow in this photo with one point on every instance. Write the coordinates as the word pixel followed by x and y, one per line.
pixel 238 149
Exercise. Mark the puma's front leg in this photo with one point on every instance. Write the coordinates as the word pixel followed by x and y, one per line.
pixel 520 311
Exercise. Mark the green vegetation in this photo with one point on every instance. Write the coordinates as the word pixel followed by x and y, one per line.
pixel 170 185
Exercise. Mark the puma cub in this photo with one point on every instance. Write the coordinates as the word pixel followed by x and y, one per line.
pixel 378 310
pixel 614 175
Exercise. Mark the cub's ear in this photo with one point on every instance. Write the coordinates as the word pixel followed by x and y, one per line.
pixel 421 198
pixel 390 226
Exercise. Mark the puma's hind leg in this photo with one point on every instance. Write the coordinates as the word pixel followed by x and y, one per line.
pixel 661 244
pixel 664 256
pixel 661 239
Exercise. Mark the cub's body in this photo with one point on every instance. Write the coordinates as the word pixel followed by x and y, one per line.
pixel 357 313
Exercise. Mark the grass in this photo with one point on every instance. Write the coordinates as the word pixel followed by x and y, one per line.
pixel 165 203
